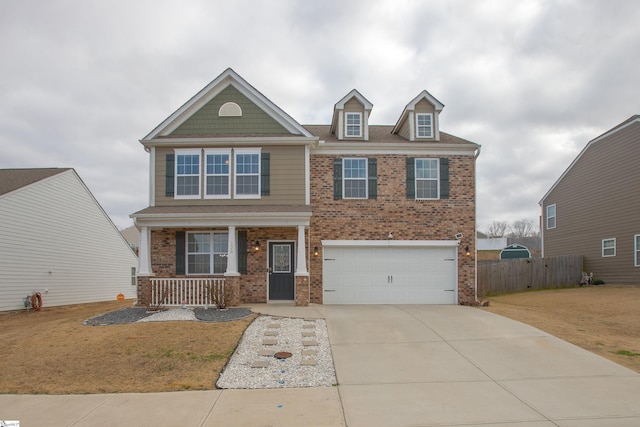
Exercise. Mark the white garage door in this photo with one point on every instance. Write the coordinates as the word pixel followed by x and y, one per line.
pixel 389 274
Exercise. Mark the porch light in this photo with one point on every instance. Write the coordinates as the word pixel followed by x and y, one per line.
pixel 467 252
pixel 256 247
pixel 315 251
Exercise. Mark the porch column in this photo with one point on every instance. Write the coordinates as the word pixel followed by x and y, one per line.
pixel 301 269
pixel 232 253
pixel 144 258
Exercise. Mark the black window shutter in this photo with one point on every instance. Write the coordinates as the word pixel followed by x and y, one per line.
pixel 337 179
pixel 444 178
pixel 242 252
pixel 169 175
pixel 411 178
pixel 373 177
pixel 265 179
pixel 180 251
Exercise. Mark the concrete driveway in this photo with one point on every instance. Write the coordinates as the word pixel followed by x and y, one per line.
pixel 397 365
pixel 453 365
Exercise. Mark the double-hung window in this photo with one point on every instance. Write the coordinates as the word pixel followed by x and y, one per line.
pixel 551 217
pixel 207 253
pixel 424 125
pixel 608 247
pixel 247 173
pixel 427 178
pixel 354 181
pixel 187 174
pixel 637 250
pixel 354 124
pixel 217 167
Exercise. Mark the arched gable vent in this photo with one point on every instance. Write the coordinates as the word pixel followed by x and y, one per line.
pixel 230 109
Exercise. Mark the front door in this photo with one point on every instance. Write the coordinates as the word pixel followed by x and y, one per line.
pixel 281 271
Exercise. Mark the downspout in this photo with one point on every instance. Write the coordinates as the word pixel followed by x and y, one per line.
pixel 475 232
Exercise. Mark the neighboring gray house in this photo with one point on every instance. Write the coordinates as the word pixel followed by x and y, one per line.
pixel 593 209
pixel 57 240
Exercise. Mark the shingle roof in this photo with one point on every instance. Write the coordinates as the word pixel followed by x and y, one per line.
pixel 228 209
pixel 12 179
pixel 379 134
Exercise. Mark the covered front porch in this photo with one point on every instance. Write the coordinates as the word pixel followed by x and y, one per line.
pixel 214 258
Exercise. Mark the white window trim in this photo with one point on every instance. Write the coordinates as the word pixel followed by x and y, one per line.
pixel 206 175
pixel 366 178
pixel 418 127
pixel 187 152
pixel 555 215
pixel 614 247
pixel 416 179
pixel 211 253
pixel 237 151
pixel 636 251
pixel 346 124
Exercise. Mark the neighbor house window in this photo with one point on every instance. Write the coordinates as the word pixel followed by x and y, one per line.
pixel 424 125
pixel 551 216
pixel 427 171
pixel 247 174
pixel 187 174
pixel 354 178
pixel 217 182
pixel 354 124
pixel 637 250
pixel 608 247
pixel 207 253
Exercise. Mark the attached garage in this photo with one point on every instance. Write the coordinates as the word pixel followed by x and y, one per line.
pixel 390 272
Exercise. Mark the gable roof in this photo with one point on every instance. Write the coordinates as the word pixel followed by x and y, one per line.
pixel 368 106
pixel 224 80
pixel 629 122
pixel 411 106
pixel 13 179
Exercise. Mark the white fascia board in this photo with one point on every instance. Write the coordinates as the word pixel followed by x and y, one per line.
pixel 354 94
pixel 341 148
pixel 399 243
pixel 227 141
pixel 584 150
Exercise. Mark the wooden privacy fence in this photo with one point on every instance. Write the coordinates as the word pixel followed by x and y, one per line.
pixel 501 277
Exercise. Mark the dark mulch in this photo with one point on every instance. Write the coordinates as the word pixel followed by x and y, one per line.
pixel 133 314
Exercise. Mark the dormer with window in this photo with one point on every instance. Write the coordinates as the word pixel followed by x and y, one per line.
pixel 351 117
pixel 419 120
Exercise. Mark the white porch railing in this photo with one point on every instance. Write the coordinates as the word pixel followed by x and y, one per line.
pixel 192 291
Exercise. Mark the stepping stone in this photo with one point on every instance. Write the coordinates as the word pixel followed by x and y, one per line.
pixel 309 343
pixel 309 352
pixel 307 326
pixel 269 353
pixel 271 333
pixel 260 364
pixel 308 334
pixel 274 326
pixel 308 362
pixel 269 342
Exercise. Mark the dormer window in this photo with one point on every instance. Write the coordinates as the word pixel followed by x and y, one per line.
pixel 354 124
pixel 424 125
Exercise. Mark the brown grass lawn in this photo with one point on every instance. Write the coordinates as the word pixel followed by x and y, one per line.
pixel 51 352
pixel 602 319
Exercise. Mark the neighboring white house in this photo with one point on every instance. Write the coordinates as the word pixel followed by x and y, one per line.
pixel 56 239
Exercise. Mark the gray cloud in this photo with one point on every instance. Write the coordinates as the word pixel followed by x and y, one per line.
pixel 532 81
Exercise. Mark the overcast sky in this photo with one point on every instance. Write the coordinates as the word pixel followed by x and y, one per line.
pixel 81 82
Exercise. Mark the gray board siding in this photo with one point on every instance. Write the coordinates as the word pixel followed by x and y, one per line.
pixel 599 198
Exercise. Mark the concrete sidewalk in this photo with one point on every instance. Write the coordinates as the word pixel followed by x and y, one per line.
pixel 396 366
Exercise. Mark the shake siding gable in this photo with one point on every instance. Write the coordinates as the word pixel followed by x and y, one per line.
pixel 597 199
pixel 206 120
pixel 57 240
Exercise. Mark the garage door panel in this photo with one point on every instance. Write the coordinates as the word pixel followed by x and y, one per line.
pixel 389 275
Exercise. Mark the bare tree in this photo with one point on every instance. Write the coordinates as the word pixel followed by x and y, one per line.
pixel 522 228
pixel 497 229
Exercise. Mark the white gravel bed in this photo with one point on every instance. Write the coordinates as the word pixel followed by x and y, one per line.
pixel 174 314
pixel 285 373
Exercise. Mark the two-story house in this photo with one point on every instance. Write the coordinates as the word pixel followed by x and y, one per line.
pixel 243 196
